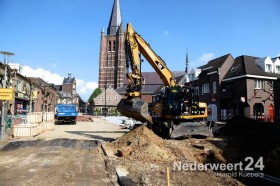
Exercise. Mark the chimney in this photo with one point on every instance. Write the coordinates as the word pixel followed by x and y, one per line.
pixel 69 75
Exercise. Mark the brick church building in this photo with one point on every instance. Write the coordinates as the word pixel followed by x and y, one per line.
pixel 112 63
pixel 113 70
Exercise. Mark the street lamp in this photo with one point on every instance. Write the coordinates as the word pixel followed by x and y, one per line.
pixel 105 113
pixel 6 54
pixel 106 86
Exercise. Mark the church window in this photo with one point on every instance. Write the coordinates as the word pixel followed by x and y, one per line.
pixel 109 47
pixel 114 46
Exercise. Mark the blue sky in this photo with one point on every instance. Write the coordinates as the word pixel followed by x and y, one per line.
pixel 54 37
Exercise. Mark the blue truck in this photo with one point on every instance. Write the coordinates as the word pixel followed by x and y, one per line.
pixel 66 113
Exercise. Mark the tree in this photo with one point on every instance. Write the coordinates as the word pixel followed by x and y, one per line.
pixel 94 94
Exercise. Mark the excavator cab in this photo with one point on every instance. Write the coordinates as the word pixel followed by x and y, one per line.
pixel 183 101
pixel 177 112
pixel 178 102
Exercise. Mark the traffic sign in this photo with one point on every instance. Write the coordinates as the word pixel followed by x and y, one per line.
pixel 6 94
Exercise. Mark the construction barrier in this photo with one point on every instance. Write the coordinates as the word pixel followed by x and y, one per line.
pixel 31 124
pixel 34 117
pixel 48 125
pixel 26 130
pixel 49 116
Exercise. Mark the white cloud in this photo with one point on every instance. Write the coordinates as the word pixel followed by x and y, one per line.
pixel 202 60
pixel 84 89
pixel 41 73
pixel 206 57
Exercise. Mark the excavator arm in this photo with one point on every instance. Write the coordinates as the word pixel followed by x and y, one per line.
pixel 133 106
pixel 136 45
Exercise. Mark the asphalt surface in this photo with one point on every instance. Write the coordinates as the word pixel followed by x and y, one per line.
pixel 69 155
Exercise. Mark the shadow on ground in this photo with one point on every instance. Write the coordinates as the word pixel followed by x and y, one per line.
pixel 244 137
pixel 65 143
pixel 92 134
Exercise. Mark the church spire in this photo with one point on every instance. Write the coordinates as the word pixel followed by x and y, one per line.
pixel 115 19
pixel 187 62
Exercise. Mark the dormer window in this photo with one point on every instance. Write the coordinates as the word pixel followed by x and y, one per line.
pixel 277 69
pixel 268 68
pixel 192 77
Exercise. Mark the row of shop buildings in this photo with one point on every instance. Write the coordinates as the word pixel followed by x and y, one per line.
pixel 33 94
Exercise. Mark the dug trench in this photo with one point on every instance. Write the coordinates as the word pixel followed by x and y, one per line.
pixel 147 157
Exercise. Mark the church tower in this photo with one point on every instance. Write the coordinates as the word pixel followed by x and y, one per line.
pixel 112 63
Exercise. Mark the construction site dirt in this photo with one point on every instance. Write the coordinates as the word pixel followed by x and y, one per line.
pixel 100 153
pixel 147 157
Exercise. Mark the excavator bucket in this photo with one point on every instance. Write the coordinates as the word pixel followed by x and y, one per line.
pixel 191 129
pixel 135 108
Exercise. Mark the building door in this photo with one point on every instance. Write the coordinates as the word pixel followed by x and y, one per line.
pixel 271 113
pixel 259 111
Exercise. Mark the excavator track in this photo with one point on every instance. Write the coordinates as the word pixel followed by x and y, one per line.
pixel 135 108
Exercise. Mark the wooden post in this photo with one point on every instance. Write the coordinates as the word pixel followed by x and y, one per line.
pixel 168 178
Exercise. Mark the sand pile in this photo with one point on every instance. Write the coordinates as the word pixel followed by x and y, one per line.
pixel 138 137
pixel 142 144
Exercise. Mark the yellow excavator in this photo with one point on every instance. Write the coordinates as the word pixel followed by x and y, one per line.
pixel 175 111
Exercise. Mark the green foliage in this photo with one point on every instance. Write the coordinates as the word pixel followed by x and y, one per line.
pixel 94 94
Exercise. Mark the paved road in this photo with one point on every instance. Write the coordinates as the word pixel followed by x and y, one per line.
pixel 69 155
pixel 100 129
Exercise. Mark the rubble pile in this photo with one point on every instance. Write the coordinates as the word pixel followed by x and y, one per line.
pixel 142 144
pixel 239 138
pixel 84 118
pixel 146 156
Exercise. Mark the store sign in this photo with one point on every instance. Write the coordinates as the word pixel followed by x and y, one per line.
pixel 6 94
pixel 35 94
pixel 20 95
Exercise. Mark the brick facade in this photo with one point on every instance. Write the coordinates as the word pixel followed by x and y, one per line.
pixel 112 61
pixel 209 83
